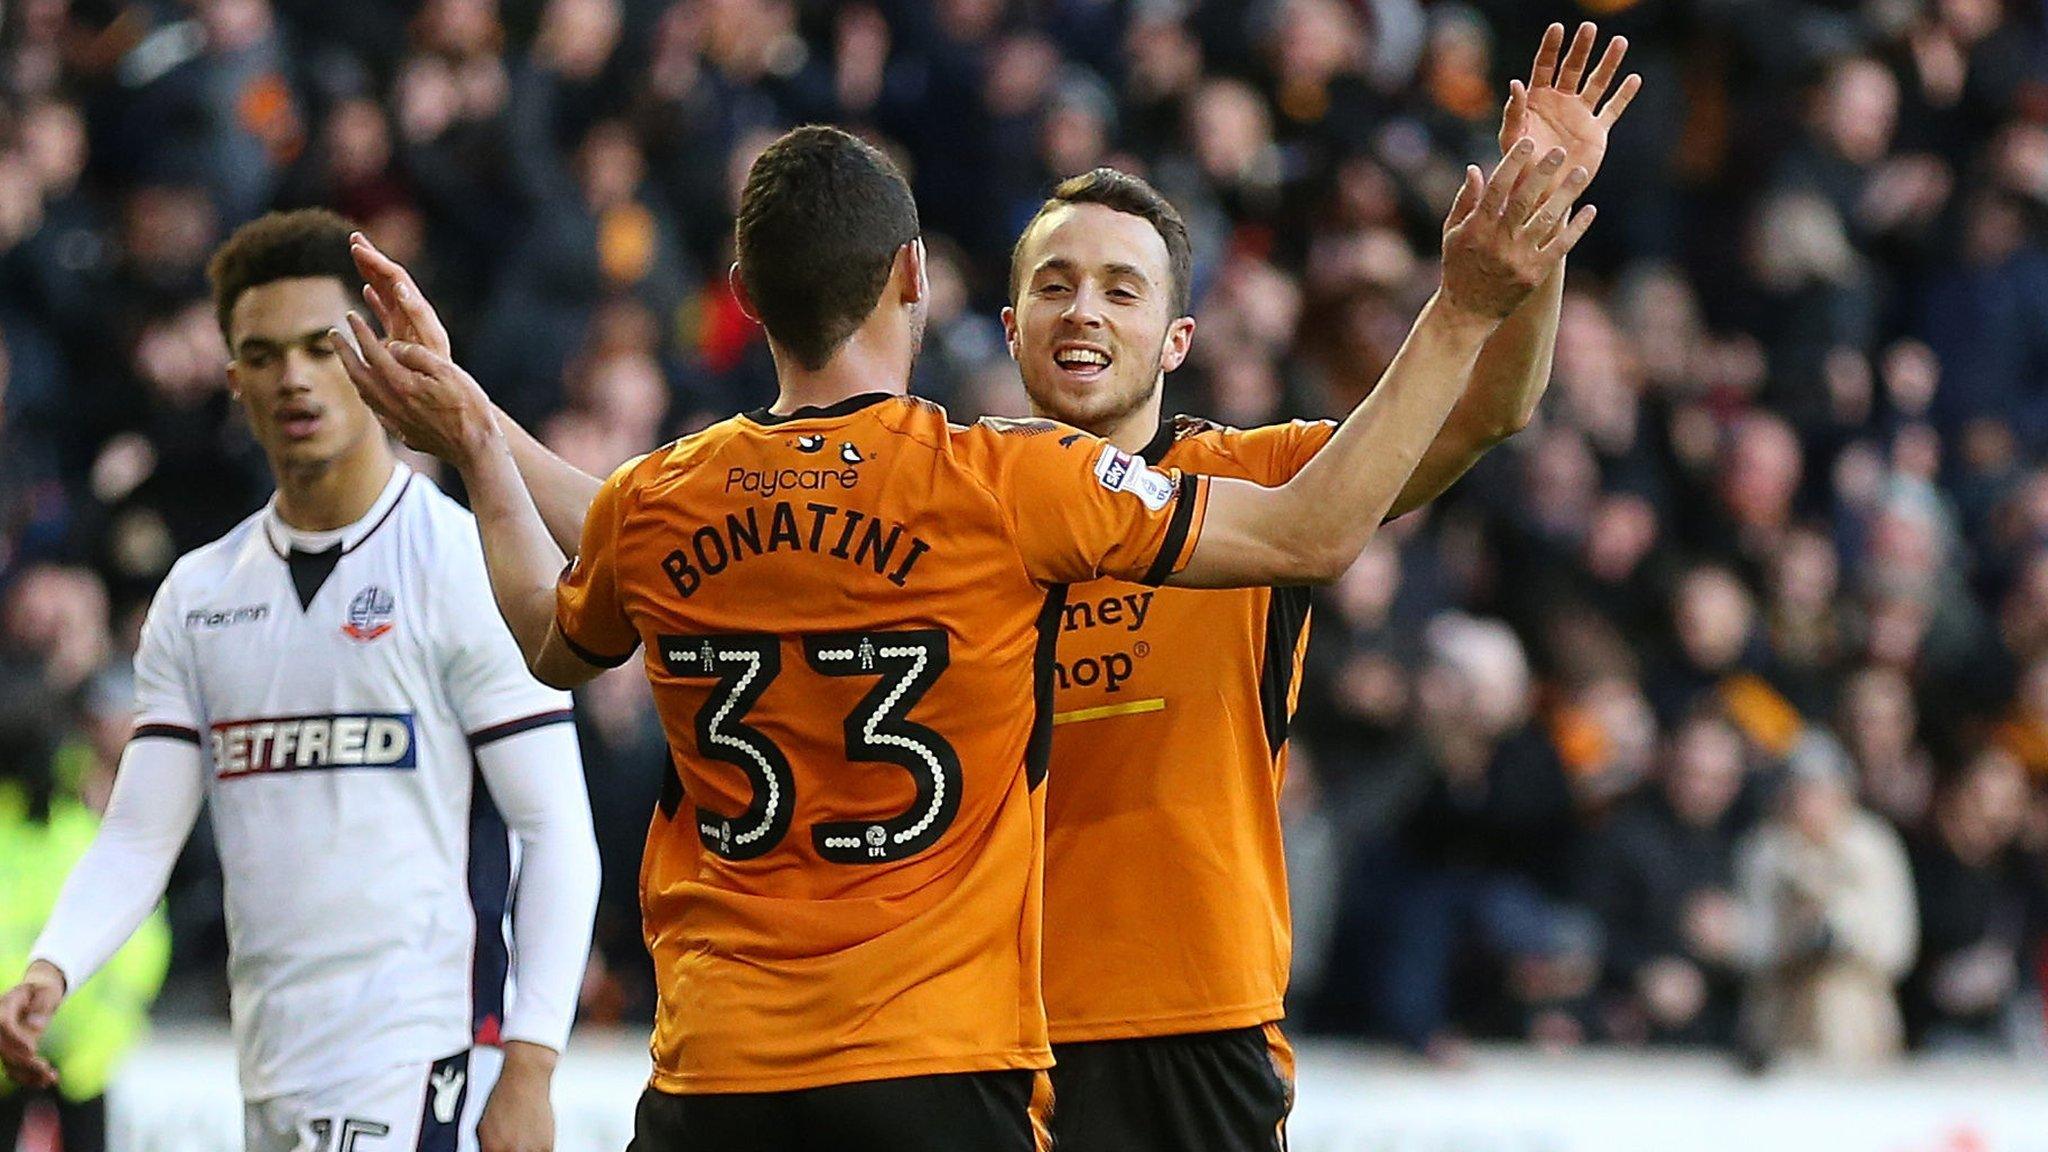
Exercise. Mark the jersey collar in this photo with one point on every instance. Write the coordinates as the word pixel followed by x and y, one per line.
pixel 1155 450
pixel 284 538
pixel 844 407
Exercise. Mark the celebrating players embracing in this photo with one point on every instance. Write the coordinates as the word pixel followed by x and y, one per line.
pixel 842 892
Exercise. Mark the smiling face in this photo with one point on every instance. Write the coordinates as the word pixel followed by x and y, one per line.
pixel 302 407
pixel 1093 326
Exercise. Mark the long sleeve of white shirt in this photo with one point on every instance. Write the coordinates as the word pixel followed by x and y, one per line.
pixel 157 793
pixel 119 880
pixel 536 780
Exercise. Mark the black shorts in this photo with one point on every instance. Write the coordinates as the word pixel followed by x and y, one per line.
pixel 960 1112
pixel 1201 1092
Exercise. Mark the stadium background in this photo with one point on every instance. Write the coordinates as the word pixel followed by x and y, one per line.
pixel 1787 482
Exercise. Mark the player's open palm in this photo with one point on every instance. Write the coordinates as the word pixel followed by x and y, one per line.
pixel 1561 105
pixel 422 395
pixel 25 1012
pixel 1507 232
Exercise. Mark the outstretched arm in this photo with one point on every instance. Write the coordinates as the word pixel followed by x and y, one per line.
pixel 560 490
pixel 1560 107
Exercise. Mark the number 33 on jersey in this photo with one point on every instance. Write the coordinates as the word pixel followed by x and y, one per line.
pixel 907 663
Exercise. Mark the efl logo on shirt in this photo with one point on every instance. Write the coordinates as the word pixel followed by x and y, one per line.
pixel 1120 472
pixel 313 743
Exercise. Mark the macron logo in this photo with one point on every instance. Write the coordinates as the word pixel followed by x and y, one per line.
pixel 311 743
pixel 206 618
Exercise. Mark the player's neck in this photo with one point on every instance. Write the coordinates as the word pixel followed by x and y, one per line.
pixel 869 361
pixel 338 493
pixel 1131 431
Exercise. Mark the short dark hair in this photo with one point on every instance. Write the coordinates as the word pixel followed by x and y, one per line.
pixel 310 242
pixel 1131 195
pixel 821 219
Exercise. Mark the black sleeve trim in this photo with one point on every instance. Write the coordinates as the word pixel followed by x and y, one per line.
pixel 593 659
pixel 1038 752
pixel 509 728
pixel 1185 497
pixel 167 731
pixel 1286 618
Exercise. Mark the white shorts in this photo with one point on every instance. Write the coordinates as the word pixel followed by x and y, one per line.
pixel 411 1108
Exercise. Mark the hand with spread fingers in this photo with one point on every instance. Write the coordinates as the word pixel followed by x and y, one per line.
pixel 1561 105
pixel 1507 232
pixel 400 307
pixel 427 399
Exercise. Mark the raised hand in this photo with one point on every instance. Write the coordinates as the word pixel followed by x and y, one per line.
pixel 418 393
pixel 401 308
pixel 1507 232
pixel 1560 106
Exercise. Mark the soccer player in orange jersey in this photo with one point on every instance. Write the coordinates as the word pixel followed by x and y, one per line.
pixel 848 606
pixel 1167 939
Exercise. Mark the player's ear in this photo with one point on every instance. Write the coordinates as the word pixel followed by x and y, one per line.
pixel 1180 336
pixel 910 262
pixel 234 372
pixel 1010 330
pixel 738 284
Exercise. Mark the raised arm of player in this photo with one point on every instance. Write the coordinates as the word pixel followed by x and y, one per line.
pixel 1560 107
pixel 1505 235
pixel 560 490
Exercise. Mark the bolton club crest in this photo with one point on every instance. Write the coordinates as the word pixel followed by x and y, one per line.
pixel 369 614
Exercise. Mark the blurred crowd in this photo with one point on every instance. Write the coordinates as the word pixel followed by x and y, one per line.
pixel 1712 709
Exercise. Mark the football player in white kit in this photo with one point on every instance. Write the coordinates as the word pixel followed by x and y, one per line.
pixel 333 679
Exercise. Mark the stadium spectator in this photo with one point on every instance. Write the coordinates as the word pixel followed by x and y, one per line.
pixel 1489 835
pixel 1973 910
pixel 1829 925
pixel 1661 878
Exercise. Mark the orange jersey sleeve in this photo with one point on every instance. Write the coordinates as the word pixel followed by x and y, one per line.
pixel 588 612
pixel 1269 455
pixel 1080 508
